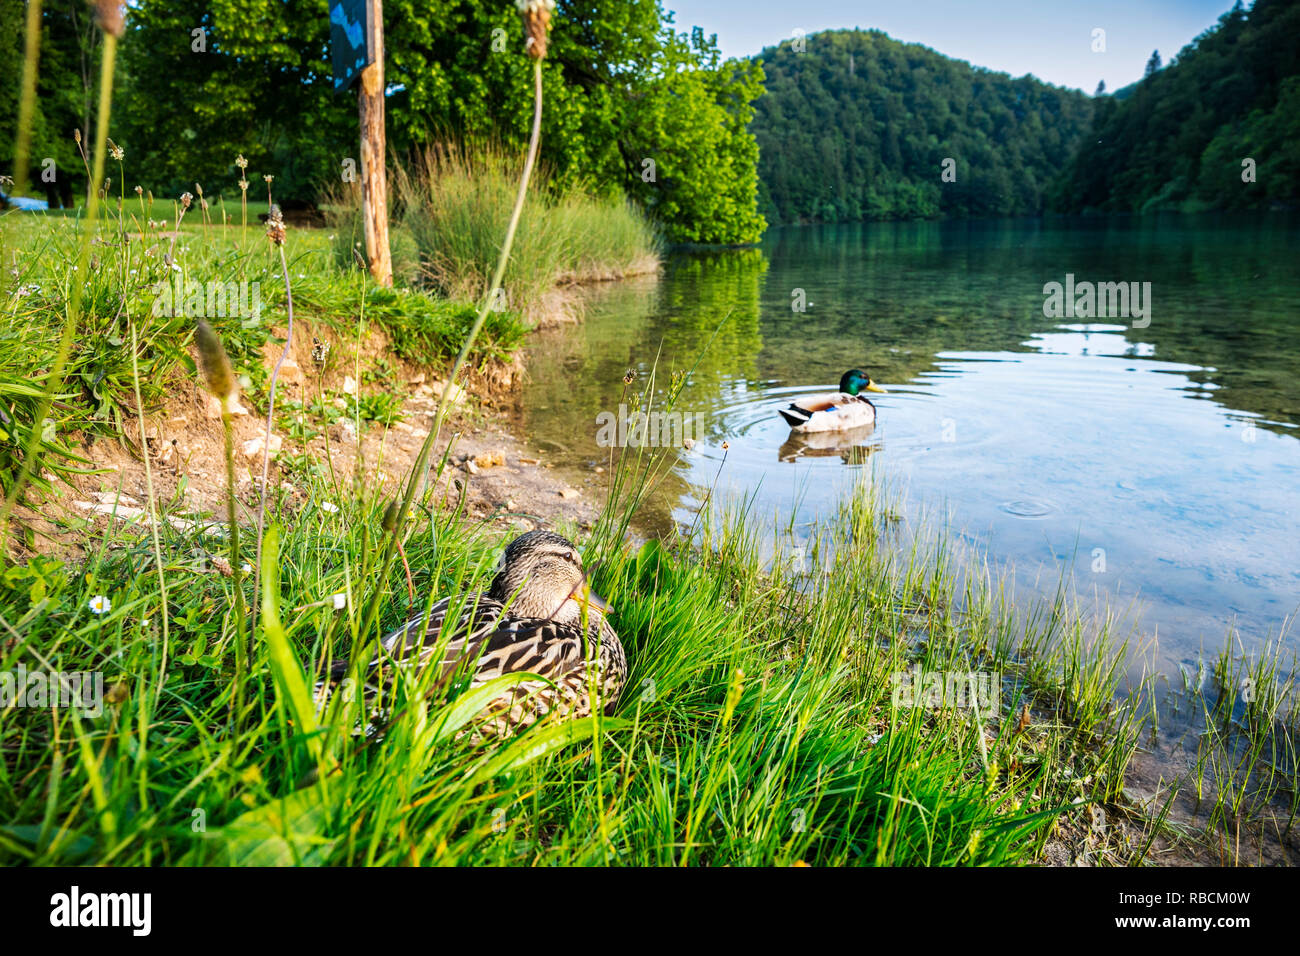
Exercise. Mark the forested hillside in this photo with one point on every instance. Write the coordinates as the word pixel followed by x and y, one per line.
pixel 1184 137
pixel 858 127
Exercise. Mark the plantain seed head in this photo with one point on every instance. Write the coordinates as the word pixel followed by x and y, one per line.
pixel 217 372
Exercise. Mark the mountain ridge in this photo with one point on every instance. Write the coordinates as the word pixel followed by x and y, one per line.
pixel 856 125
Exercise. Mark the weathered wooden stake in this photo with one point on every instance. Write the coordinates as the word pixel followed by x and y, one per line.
pixel 374 177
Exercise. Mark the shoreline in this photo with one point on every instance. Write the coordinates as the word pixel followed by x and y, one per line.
pixel 494 477
pixel 504 479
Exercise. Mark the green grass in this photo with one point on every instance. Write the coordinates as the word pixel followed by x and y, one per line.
pixel 1246 768
pixel 428 335
pixel 129 269
pixel 449 209
pixel 757 726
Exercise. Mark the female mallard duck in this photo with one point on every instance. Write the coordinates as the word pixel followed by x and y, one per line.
pixel 530 621
pixel 836 411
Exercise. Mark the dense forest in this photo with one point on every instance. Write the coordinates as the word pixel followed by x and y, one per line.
pixel 632 105
pixel 1217 128
pixel 858 126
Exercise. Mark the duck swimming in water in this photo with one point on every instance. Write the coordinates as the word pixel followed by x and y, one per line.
pixel 538 617
pixel 835 411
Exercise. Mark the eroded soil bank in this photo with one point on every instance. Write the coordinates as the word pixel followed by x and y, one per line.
pixel 493 474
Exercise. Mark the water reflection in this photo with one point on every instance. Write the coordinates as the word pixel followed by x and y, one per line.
pixel 853 446
pixel 1171 449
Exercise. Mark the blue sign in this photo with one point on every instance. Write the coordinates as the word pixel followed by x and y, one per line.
pixel 349 36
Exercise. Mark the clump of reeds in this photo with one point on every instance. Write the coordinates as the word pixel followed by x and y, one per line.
pixel 454 197
pixel 1247 755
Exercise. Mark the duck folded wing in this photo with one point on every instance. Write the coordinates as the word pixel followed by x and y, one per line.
pixel 798 413
pixel 486 644
pixel 551 650
pixel 458 629
pixel 531 646
pixel 473 621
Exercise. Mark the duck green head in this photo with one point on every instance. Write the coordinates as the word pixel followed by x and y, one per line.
pixel 855 380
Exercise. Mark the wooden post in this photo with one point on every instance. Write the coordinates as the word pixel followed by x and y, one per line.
pixel 374 177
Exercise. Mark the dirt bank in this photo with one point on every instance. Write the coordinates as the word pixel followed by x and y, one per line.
pixel 500 477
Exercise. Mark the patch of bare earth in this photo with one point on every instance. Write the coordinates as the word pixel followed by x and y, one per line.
pixel 492 474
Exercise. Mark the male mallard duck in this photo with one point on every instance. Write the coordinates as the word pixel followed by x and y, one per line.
pixel 836 411
pixel 529 621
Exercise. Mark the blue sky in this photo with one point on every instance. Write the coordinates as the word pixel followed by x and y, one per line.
pixel 1052 39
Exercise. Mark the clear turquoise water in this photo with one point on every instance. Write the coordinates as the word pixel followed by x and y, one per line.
pixel 1172 451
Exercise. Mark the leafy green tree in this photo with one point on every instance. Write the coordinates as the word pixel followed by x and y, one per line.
pixel 11 51
pixel 621 87
pixel 207 81
pixel 65 93
pixel 698 167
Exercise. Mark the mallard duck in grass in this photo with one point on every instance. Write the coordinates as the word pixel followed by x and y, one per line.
pixel 530 621
pixel 835 411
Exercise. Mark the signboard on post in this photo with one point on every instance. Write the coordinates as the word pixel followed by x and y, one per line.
pixel 349 46
pixel 357 51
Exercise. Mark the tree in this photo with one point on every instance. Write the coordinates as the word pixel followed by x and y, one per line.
pixel 208 81
pixel 1101 89
pixel 693 124
pixel 65 86
pixel 621 87
pixel 1153 64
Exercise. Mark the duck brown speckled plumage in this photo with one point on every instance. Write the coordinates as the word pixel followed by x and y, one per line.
pixel 531 620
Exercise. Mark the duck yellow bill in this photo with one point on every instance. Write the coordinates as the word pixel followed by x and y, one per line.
pixel 873 387
pixel 584 594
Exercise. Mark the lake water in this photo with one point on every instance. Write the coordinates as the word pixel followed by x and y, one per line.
pixel 1157 465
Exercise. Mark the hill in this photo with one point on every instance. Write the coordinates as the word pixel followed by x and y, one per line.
pixel 858 125
pixel 1182 139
